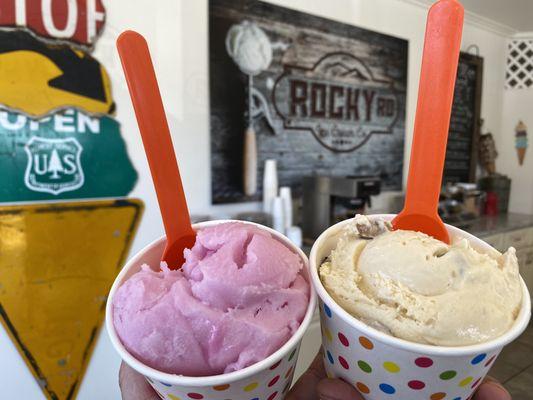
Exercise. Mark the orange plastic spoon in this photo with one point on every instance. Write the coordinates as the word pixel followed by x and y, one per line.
pixel 144 92
pixel 435 96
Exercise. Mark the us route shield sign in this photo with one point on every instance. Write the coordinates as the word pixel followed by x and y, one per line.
pixel 69 155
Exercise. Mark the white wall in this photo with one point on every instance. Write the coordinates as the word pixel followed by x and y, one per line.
pixel 177 33
pixel 517 105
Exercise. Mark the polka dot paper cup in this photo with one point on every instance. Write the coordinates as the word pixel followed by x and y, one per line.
pixel 384 367
pixel 269 379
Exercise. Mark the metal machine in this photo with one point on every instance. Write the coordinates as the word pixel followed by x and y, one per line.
pixel 327 200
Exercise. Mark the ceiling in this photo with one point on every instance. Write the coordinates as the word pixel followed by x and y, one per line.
pixel 516 14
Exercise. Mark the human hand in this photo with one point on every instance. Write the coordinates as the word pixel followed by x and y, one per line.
pixel 134 386
pixel 491 389
pixel 315 385
pixel 312 385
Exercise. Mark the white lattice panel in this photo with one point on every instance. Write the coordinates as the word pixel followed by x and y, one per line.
pixel 519 72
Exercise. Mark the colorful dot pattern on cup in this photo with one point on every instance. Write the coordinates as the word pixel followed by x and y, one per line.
pixel 477 382
pixel 477 359
pixel 327 310
pixel 447 375
pixel 276 365
pixel 465 381
pixel 288 372
pixel 374 368
pixel 273 383
pixel 416 385
pixel 250 387
pixel 424 362
pixel 292 355
pixel 272 396
pixel 343 340
pixel 386 388
pixel 364 366
pixel 344 363
pixel 366 343
pixel 381 371
pixel 391 367
pixel 330 357
pixel 362 388
pixel 490 360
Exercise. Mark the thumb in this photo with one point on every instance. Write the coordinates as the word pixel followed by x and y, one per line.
pixel 491 390
pixel 335 389
pixel 134 386
pixel 314 385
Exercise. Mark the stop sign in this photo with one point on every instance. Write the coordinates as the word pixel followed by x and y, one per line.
pixel 77 21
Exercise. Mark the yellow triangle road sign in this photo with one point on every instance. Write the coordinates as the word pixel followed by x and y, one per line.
pixel 57 263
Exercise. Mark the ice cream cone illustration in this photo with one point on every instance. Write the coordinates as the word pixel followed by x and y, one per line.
pixel 521 141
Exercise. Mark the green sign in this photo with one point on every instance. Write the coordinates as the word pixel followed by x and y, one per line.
pixel 68 155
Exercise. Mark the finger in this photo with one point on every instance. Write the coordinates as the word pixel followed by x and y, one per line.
pixel 335 389
pixel 306 387
pixel 491 389
pixel 134 386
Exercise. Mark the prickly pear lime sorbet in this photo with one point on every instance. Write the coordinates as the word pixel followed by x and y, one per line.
pixel 239 296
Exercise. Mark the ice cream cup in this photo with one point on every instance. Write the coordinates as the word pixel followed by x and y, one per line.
pixel 268 379
pixel 381 366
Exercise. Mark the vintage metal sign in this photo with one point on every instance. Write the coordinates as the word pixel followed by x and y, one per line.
pixel 57 264
pixel 38 78
pixel 338 100
pixel 68 155
pixel 76 21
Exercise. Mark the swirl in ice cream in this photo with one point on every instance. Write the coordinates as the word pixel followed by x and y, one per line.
pixel 237 299
pixel 417 288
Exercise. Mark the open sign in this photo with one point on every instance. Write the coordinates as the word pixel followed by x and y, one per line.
pixel 77 21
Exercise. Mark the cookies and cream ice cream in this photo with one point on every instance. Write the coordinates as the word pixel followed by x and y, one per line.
pixel 417 288
pixel 238 298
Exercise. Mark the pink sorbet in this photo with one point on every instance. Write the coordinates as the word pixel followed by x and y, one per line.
pixel 238 298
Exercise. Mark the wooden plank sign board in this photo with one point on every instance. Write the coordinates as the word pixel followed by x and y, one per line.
pixel 57 264
pixel 326 98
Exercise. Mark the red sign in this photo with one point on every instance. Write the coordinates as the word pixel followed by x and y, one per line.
pixel 78 21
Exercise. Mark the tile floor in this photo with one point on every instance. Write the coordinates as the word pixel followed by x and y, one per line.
pixel 514 366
